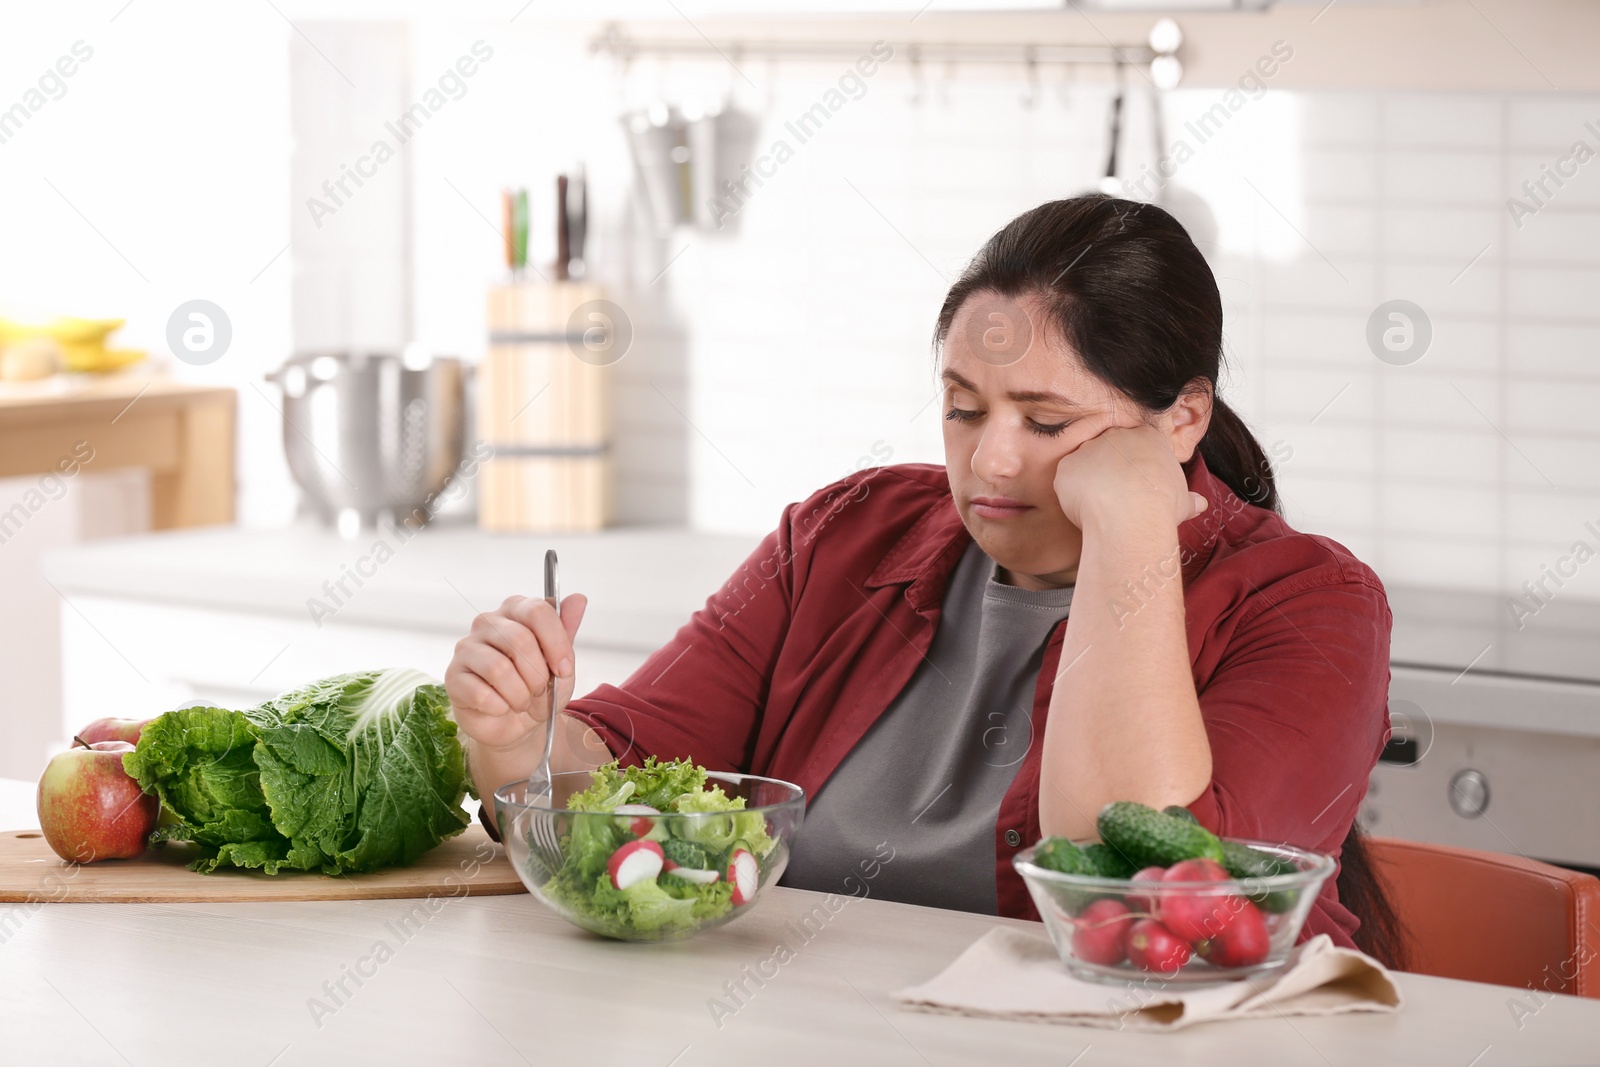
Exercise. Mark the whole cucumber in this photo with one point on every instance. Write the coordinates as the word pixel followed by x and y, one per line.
pixel 1242 861
pixel 1061 855
pixel 1180 812
pixel 1108 862
pixel 1146 837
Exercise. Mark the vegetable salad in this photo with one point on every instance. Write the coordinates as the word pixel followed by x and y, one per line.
pixel 626 869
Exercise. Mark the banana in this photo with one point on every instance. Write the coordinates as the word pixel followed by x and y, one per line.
pixel 63 329
pixel 82 342
pixel 94 358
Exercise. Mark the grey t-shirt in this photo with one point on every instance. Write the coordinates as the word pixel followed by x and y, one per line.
pixel 929 775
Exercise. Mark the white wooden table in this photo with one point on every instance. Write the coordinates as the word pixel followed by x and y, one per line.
pixel 499 980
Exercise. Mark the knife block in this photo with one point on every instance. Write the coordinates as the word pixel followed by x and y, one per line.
pixel 545 412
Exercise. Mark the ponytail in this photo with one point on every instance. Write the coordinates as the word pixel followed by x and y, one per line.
pixel 1234 455
pixel 1367 895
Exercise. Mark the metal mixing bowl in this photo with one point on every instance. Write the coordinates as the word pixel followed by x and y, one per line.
pixel 372 437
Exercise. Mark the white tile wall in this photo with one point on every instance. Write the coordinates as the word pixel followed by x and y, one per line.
pixel 350 267
pixel 774 355
pixel 809 330
pixel 1551 348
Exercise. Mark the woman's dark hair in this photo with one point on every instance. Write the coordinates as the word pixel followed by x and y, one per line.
pixel 1365 892
pixel 1133 296
pixel 1126 287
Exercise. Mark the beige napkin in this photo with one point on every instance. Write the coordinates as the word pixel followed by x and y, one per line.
pixel 1012 974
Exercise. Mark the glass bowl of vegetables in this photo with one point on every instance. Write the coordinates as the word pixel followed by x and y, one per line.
pixel 656 852
pixel 1158 898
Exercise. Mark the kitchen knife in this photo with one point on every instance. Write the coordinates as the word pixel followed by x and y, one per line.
pixel 577 219
pixel 519 251
pixel 563 246
pixel 506 220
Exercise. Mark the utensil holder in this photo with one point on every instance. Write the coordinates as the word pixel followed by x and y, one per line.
pixel 545 411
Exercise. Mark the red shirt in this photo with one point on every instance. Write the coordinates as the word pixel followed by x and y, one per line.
pixel 791 661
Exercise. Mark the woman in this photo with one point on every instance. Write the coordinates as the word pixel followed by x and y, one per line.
pixel 1095 599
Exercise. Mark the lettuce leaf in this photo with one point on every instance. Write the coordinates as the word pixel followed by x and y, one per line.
pixel 590 844
pixel 654 783
pixel 721 822
pixel 652 908
pixel 352 773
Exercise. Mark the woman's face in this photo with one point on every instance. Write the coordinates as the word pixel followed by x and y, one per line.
pixel 1017 399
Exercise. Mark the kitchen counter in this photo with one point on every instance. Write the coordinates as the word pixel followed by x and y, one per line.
pixel 642 582
pixel 231 614
pixel 500 980
pixel 234 616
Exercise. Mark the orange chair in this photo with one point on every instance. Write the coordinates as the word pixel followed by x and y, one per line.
pixel 1488 917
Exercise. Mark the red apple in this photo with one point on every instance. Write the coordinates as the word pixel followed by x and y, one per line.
pixel 90 808
pixel 111 730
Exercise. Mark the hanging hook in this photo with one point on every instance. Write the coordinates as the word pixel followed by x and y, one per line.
pixel 1109 183
pixel 916 77
pixel 735 74
pixel 1065 86
pixel 625 70
pixel 1158 134
pixel 1031 58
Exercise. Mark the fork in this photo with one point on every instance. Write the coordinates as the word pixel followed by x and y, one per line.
pixel 542 837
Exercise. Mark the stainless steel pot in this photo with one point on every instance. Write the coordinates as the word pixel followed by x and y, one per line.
pixel 373 436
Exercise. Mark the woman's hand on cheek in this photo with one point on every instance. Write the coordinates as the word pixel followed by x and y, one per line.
pixel 1124 472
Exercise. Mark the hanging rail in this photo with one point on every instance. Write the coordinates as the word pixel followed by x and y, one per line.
pixel 616 43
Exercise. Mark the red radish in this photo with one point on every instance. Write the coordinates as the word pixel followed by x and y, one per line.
pixel 1244 943
pixel 639 825
pixel 743 872
pixel 1146 902
pixel 1196 870
pixel 691 874
pixel 1197 914
pixel 635 862
pixel 1099 932
pixel 1152 947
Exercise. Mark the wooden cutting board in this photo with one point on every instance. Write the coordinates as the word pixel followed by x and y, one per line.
pixel 468 864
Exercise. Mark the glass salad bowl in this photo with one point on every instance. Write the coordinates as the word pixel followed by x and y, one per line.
pixel 638 871
pixel 1158 929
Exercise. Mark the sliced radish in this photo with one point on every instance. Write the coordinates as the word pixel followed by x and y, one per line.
pixel 691 874
pixel 635 862
pixel 743 872
pixel 636 821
